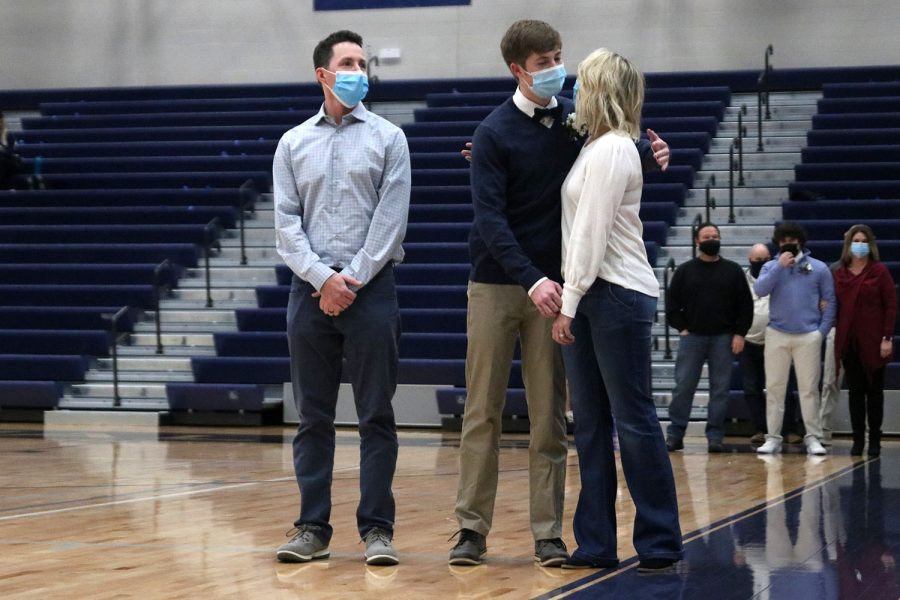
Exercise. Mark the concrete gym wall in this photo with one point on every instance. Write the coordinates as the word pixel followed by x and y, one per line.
pixel 77 43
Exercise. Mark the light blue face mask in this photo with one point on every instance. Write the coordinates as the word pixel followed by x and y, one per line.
pixel 575 92
pixel 859 249
pixel 350 87
pixel 547 83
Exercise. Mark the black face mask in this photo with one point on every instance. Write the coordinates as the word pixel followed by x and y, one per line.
pixel 755 267
pixel 792 248
pixel 709 247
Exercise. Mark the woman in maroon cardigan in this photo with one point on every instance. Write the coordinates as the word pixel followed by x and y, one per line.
pixel 867 308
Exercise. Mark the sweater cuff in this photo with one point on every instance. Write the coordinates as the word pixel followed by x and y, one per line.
pixel 570 299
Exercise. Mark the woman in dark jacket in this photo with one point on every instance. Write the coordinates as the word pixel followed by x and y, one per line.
pixel 867 308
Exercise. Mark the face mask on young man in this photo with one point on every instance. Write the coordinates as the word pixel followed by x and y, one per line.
pixel 792 248
pixel 710 247
pixel 547 83
pixel 859 249
pixel 350 87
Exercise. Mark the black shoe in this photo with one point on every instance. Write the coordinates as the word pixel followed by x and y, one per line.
pixel 674 443
pixel 857 448
pixel 656 566
pixel 580 563
pixel 470 549
pixel 715 447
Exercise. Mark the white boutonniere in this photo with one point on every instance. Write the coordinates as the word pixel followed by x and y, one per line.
pixel 806 268
pixel 575 133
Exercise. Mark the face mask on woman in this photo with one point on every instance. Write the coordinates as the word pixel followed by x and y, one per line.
pixel 859 249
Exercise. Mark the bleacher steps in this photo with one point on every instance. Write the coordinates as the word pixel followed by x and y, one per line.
pixel 757 205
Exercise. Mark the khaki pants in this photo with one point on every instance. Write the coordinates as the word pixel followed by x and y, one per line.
pixel 805 350
pixel 497 316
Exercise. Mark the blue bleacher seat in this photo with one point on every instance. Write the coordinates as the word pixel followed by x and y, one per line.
pixel 857 120
pixel 42 367
pixel 63 317
pixel 51 341
pixel 123 198
pixel 102 234
pixel 30 394
pixel 839 190
pixel 884 104
pixel 185 255
pixel 215 396
pixel 852 210
pixel 117 215
pixel 868 89
pixel 150 148
pixel 140 296
pixel 286 119
pixel 123 107
pixel 158 134
pixel 851 154
pixel 88 274
pixel 187 180
pixel 871 171
pixel 848 137
pixel 148 164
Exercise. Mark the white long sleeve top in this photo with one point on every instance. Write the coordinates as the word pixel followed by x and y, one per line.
pixel 601 229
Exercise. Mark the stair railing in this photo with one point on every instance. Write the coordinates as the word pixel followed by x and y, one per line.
pixel 248 196
pixel 158 286
pixel 210 239
pixel 113 321
pixel 695 227
pixel 763 92
pixel 669 266
pixel 710 201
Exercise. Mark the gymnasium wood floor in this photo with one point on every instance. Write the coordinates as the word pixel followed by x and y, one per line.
pixel 198 513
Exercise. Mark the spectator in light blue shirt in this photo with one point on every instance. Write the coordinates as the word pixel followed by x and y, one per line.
pixel 342 185
pixel 801 311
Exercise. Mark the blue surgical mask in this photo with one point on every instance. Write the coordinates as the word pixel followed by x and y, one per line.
pixel 350 87
pixel 547 83
pixel 859 249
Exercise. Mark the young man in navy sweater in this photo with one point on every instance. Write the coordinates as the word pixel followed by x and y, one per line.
pixel 521 154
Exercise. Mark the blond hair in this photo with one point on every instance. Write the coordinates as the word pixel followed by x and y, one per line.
pixel 610 94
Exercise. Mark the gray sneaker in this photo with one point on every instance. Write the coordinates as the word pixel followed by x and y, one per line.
pixel 470 549
pixel 379 550
pixel 550 553
pixel 305 545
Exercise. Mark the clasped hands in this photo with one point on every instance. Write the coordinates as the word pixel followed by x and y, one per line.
pixel 335 296
pixel 547 297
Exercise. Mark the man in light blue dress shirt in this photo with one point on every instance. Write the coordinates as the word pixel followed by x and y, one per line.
pixel 342 187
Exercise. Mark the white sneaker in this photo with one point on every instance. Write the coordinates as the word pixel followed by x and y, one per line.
pixel 815 447
pixel 772 446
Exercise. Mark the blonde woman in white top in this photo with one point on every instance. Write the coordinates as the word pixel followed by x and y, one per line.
pixel 609 300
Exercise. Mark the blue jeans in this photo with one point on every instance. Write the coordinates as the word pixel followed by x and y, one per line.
pixel 366 336
pixel 693 350
pixel 608 368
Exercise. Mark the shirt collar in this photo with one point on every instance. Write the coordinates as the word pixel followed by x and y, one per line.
pixel 359 113
pixel 527 106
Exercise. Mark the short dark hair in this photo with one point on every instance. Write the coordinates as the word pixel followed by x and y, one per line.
pixel 324 51
pixel 527 37
pixel 704 226
pixel 787 229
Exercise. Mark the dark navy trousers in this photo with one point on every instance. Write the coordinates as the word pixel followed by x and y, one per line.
pixel 362 345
